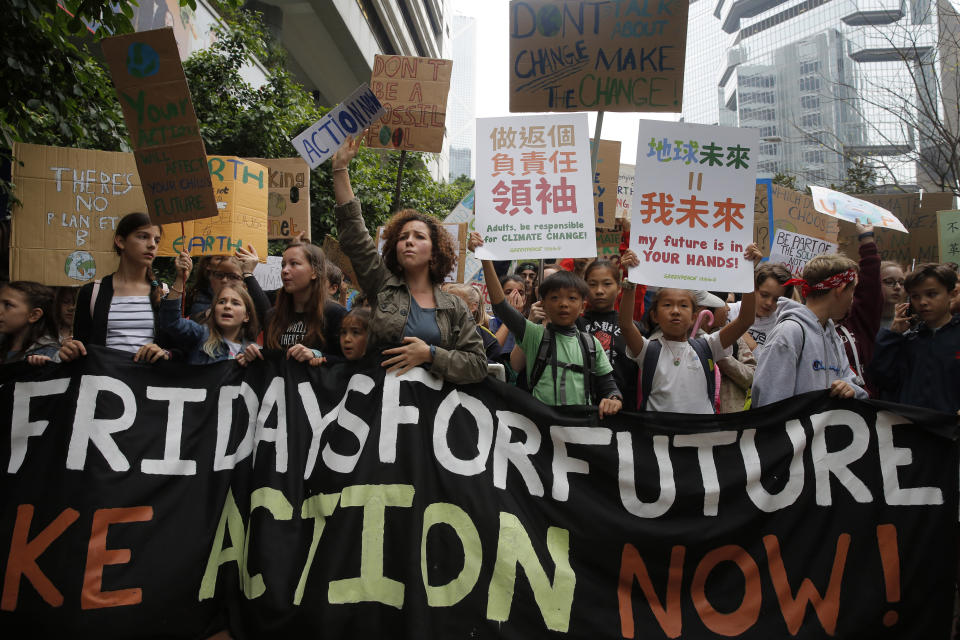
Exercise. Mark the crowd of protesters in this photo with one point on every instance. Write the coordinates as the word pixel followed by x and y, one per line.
pixel 572 333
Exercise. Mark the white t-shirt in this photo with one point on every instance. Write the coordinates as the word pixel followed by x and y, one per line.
pixel 761 327
pixel 129 323
pixel 680 388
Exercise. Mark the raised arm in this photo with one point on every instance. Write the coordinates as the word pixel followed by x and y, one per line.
pixel 628 330
pixel 748 307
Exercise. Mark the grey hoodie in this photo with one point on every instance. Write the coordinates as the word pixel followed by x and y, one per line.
pixel 800 355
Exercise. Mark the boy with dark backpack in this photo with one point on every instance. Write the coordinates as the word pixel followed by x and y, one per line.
pixel 676 371
pixel 565 366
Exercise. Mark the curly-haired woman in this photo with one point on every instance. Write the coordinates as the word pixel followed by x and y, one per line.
pixel 409 309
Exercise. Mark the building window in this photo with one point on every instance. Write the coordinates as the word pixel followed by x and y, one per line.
pixel 810 120
pixel 810 102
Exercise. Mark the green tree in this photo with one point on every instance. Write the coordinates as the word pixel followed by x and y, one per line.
pixel 785 180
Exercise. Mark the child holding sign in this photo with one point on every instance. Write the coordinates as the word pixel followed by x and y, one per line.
pixel 564 365
pixel 684 381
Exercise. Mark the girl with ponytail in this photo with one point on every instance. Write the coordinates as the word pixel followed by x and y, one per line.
pixel 120 311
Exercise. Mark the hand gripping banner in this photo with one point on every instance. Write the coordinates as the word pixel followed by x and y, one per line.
pixel 281 501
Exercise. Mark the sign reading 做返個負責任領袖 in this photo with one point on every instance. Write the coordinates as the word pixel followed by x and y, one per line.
pixel 582 55
pixel 534 190
pixel 692 213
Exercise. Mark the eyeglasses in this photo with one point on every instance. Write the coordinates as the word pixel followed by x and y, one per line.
pixel 223 275
pixel 893 282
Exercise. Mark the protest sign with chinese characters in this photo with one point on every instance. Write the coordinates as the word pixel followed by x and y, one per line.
pixel 794 250
pixel 241 189
pixel 844 207
pixel 321 140
pixel 605 183
pixel 534 190
pixel 288 208
pixel 948 231
pixel 693 206
pixel 582 55
pixel 163 127
pixel 414 95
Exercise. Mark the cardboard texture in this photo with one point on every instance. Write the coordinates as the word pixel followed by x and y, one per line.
pixel 159 114
pixel 920 219
pixel 414 93
pixel 71 201
pixel 625 190
pixel 948 232
pixel 605 183
pixel 793 211
pixel 458 232
pixel 581 55
pixel 608 244
pixel 242 194
pixel 333 253
pixel 852 209
pixel 761 218
pixel 288 205
pixel 349 118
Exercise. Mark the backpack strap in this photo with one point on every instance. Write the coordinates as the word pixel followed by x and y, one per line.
pixel 857 368
pixel 547 351
pixel 702 349
pixel 588 348
pixel 543 353
pixel 649 367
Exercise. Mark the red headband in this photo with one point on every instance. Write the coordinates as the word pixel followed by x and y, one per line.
pixel 835 281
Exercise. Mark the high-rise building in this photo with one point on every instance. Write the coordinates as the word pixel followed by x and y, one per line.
pixel 462 102
pixel 822 80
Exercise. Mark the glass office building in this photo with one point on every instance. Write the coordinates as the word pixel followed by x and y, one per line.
pixel 820 79
pixel 462 100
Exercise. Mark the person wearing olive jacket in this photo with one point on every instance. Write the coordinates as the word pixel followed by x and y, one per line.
pixel 422 324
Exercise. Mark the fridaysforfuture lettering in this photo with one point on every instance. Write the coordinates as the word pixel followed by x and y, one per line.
pixel 281 499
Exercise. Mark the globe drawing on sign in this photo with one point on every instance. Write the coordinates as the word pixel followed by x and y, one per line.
pixel 384 135
pixel 142 60
pixel 549 21
pixel 80 265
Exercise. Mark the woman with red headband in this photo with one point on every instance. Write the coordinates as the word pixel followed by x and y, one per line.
pixel 803 352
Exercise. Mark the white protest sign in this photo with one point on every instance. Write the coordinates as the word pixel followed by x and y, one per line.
pixel 268 274
pixel 840 205
pixel 349 118
pixel 534 190
pixel 692 210
pixel 794 250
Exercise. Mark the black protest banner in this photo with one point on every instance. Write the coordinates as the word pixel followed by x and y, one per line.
pixel 280 501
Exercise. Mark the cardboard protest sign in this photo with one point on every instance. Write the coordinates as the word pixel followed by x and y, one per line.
pixel 321 140
pixel 156 104
pixel 846 207
pixel 580 55
pixel 948 232
pixel 458 233
pixel 333 253
pixel 608 245
pixel 288 207
pixel 794 211
pixel 242 194
pixel 534 192
pixel 414 95
pixel 763 216
pixel 692 214
pixel 919 216
pixel 625 190
pixel 605 183
pixel 794 250
pixel 70 203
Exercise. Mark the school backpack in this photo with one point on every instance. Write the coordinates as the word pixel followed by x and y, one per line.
pixel 547 351
pixel 700 346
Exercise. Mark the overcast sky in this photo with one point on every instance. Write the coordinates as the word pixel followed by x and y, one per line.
pixel 493 47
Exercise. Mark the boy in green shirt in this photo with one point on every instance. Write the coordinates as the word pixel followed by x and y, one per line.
pixel 557 373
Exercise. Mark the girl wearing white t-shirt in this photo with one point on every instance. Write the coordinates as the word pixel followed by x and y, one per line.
pixel 118 311
pixel 679 384
pixel 773 296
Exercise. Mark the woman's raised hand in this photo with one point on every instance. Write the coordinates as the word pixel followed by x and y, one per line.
pixel 248 258
pixel 475 240
pixel 346 153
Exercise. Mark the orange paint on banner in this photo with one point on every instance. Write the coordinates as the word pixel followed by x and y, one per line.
pixel 744 616
pixel 669 615
pixel 24 553
pixel 98 556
